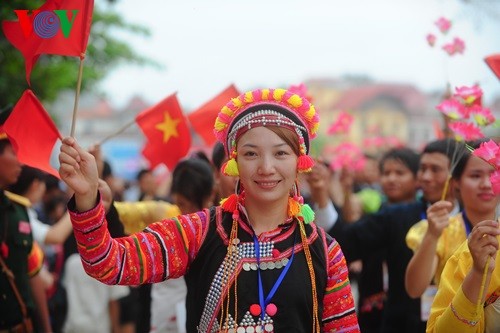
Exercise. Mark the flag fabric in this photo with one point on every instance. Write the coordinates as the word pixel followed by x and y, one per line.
pixel 202 120
pixel 59 27
pixel 494 62
pixel 32 133
pixel 167 132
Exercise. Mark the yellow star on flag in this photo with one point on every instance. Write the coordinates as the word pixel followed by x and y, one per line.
pixel 168 127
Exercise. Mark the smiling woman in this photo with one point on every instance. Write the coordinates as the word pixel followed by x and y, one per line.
pixel 257 263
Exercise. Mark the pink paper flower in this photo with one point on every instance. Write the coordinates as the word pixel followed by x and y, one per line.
pixel 342 124
pixel 469 95
pixel 481 115
pixel 347 155
pixel 431 39
pixel 449 48
pixel 300 90
pixel 459 45
pixel 495 181
pixel 393 141
pixel 465 131
pixel 443 24
pixel 453 109
pixel 490 152
pixel 377 141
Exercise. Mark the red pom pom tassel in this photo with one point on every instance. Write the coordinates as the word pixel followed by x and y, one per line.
pixel 230 203
pixel 305 163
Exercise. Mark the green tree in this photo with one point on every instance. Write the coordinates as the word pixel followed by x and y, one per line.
pixel 53 73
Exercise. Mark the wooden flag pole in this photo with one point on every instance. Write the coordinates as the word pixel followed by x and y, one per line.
pixel 77 96
pixel 124 127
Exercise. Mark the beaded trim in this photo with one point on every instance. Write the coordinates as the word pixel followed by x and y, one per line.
pixel 463 320
pixel 243 252
pixel 264 118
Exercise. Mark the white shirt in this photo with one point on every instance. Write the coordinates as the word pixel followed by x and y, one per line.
pixel 38 228
pixel 88 299
pixel 168 308
pixel 325 217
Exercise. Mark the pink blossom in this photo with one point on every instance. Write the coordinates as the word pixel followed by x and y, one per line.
pixel 453 109
pixel 481 115
pixel 342 124
pixel 443 24
pixel 465 131
pixel 377 141
pixel 449 48
pixel 393 141
pixel 347 155
pixel 431 39
pixel 359 164
pixel 458 45
pixel 488 151
pixel 300 90
pixel 469 94
pixel 495 181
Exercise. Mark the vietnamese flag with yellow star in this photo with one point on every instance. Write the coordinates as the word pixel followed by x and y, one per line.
pixel 167 133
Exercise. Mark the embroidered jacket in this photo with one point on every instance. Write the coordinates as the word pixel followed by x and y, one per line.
pixel 195 245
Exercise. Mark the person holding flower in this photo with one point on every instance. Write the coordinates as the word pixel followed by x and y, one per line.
pixel 257 262
pixel 467 299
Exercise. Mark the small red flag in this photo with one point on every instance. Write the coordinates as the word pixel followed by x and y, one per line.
pixel 32 133
pixel 494 62
pixel 202 120
pixel 58 27
pixel 167 132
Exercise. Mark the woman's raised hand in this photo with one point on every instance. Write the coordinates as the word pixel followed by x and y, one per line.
pixel 79 171
pixel 483 243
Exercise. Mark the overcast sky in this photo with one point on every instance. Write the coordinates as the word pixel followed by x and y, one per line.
pixel 204 45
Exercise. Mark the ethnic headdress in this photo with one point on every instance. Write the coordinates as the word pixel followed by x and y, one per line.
pixel 266 107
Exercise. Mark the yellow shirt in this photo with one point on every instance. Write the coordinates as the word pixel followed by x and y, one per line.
pixel 451 238
pixel 442 317
pixel 136 216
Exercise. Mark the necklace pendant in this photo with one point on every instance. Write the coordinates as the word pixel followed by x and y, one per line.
pixel 4 249
pixel 255 310
pixel 271 309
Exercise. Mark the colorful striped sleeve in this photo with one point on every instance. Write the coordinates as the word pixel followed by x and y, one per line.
pixel 163 250
pixel 339 313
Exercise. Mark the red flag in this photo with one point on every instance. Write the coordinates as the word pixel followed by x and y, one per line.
pixel 494 62
pixel 202 120
pixel 167 132
pixel 58 27
pixel 32 133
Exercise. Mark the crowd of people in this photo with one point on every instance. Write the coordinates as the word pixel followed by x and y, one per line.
pixel 257 237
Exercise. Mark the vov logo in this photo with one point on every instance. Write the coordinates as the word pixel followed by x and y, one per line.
pixel 46 23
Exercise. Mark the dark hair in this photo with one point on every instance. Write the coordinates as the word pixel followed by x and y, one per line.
pixel 26 178
pixel 141 173
pixel 3 144
pixel 106 170
pixel 291 138
pixel 51 182
pixel 194 179
pixel 464 155
pixel 404 155
pixel 53 203
pixel 4 114
pixel 444 146
pixel 218 155
pixel 199 154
